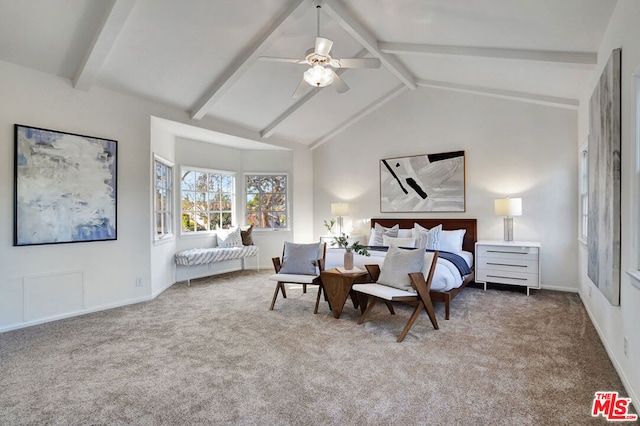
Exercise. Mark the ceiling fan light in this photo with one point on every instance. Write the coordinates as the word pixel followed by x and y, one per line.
pixel 318 76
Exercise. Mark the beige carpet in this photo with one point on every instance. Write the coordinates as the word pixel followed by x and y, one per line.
pixel 213 353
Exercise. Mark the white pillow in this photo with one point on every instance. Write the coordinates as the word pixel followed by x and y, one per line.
pixel 405 233
pixel 427 238
pixel 378 231
pixel 452 240
pixel 229 237
pixel 398 242
pixel 397 266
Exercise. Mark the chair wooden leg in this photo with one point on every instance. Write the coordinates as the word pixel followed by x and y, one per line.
pixel 366 312
pixel 390 307
pixel 315 310
pixel 279 287
pixel 412 319
pixel 304 288
pixel 428 306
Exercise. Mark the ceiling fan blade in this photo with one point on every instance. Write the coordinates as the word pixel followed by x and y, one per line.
pixel 301 89
pixel 323 46
pixel 356 63
pixel 287 60
pixel 339 83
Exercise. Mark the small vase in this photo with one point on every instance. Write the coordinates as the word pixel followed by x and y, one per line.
pixel 348 260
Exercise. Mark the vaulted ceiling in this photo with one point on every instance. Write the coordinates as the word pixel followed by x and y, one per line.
pixel 203 56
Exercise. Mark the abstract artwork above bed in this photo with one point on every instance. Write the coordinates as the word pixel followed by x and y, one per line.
pixel 603 237
pixel 65 187
pixel 423 183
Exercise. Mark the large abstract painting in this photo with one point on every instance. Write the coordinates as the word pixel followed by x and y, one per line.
pixel 603 238
pixel 423 183
pixel 64 189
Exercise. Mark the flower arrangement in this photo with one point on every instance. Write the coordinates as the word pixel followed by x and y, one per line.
pixel 342 240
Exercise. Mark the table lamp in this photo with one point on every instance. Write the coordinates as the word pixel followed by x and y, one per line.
pixel 508 207
pixel 339 210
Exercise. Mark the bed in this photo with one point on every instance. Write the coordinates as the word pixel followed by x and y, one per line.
pixel 450 276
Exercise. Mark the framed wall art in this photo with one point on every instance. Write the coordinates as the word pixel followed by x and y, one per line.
pixel 604 171
pixel 64 187
pixel 423 183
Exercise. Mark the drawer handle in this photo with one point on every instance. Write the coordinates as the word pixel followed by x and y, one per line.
pixel 502 251
pixel 509 278
pixel 507 264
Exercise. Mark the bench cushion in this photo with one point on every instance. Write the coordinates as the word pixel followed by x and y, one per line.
pixel 201 256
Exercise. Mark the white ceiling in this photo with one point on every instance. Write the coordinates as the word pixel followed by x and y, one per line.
pixel 203 55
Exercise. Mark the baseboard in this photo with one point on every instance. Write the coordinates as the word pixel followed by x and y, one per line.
pixel 558 288
pixel 75 314
pixel 625 382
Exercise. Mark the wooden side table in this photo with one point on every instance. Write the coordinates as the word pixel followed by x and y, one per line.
pixel 337 287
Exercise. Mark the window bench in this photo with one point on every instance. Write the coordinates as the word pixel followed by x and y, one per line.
pixel 188 261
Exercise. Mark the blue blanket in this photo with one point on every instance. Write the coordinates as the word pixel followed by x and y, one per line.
pixel 457 260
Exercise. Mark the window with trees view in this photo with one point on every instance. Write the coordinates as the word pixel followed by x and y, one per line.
pixel 163 211
pixel 207 200
pixel 267 201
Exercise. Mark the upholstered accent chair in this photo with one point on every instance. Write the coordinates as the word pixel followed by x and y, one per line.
pixel 391 286
pixel 301 264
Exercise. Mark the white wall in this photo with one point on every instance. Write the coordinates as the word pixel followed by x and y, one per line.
pixel 511 148
pixel 44 283
pixel 37 283
pixel 615 322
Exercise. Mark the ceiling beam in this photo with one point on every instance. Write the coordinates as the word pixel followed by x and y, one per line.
pixel 112 24
pixel 528 97
pixel 581 58
pixel 271 128
pixel 359 115
pixel 248 57
pixel 361 34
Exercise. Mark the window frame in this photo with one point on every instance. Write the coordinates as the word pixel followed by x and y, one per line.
pixel 233 195
pixel 169 202
pixel 287 208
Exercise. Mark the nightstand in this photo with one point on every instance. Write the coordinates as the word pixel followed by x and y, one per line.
pixel 508 262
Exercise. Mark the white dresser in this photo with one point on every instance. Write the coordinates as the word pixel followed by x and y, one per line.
pixel 513 263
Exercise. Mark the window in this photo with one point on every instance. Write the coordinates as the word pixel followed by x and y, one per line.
pixel 207 200
pixel 584 194
pixel 163 199
pixel 267 201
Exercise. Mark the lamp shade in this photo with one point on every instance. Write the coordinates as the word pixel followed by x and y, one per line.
pixel 339 209
pixel 508 206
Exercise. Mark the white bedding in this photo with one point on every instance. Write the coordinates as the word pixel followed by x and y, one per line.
pixel 445 277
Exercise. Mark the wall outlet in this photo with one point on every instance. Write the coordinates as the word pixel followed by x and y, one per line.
pixel 138 281
pixel 625 346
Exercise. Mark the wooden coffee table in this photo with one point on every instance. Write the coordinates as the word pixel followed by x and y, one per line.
pixel 337 287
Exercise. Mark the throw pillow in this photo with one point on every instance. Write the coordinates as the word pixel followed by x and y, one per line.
pixel 398 242
pixel 427 238
pixel 245 234
pixel 397 266
pixel 229 237
pixel 378 231
pixel 300 259
pixel 452 240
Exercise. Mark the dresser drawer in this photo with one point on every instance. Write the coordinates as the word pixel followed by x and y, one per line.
pixel 529 266
pixel 508 252
pixel 513 278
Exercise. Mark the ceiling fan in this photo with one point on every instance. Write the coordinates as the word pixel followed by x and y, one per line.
pixel 321 73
